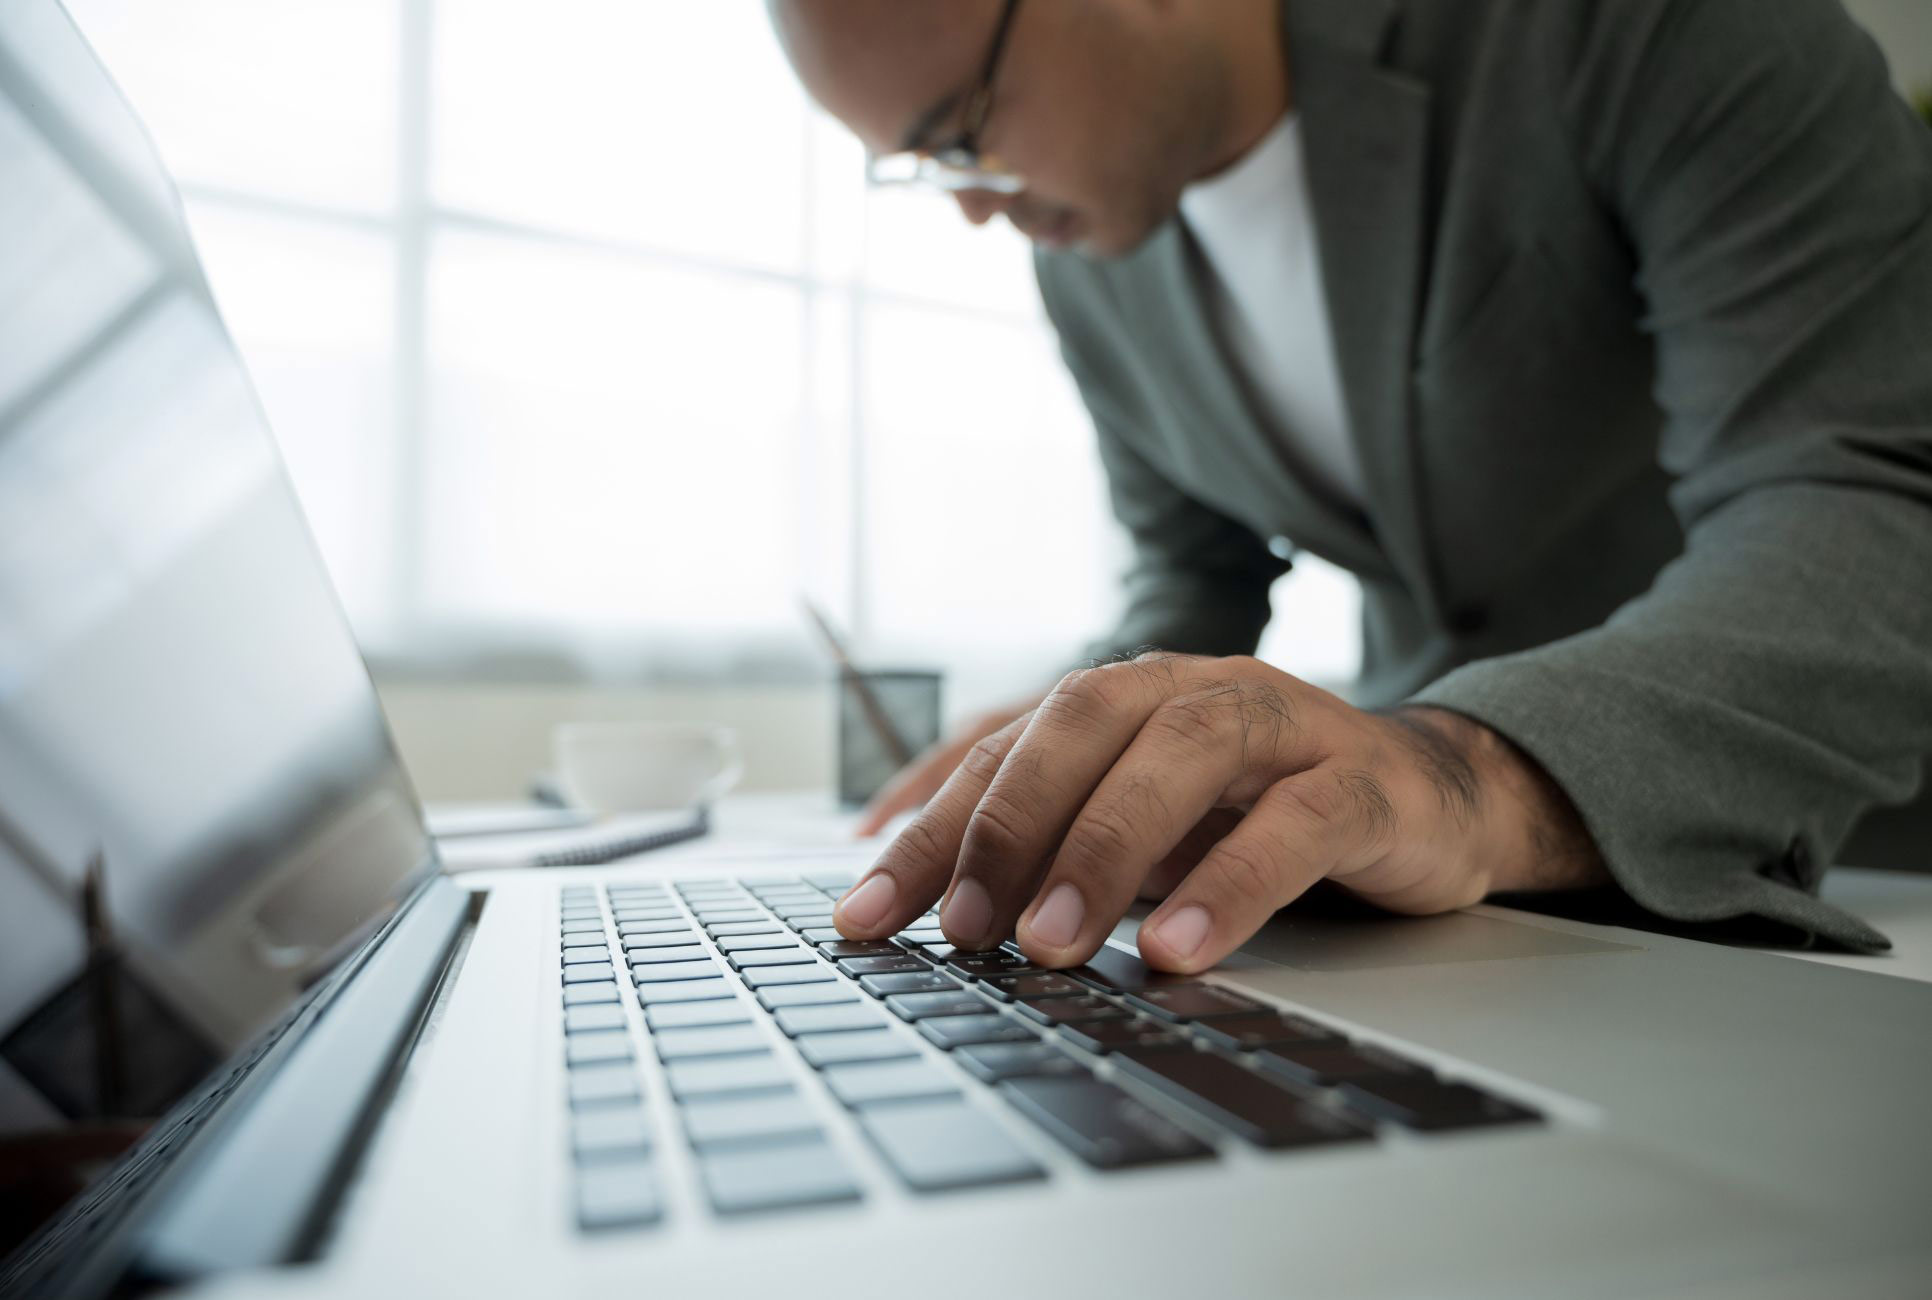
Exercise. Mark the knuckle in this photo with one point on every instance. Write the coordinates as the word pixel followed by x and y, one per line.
pixel 1098 843
pixel 918 844
pixel 1195 719
pixel 999 831
pixel 1246 874
pixel 984 757
pixel 1306 799
pixel 1082 701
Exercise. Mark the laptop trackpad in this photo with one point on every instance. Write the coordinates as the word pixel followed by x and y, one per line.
pixel 1332 935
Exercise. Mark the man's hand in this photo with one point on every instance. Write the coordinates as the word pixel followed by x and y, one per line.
pixel 1228 786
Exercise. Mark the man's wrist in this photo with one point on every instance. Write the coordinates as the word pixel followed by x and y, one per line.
pixel 1523 833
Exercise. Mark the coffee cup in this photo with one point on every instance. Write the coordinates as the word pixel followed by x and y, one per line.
pixel 622 767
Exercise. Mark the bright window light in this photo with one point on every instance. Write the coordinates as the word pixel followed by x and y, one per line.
pixel 586 344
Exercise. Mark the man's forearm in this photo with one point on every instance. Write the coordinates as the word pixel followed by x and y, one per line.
pixel 1528 833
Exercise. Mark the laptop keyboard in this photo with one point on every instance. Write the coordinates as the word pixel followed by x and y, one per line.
pixel 1120 1065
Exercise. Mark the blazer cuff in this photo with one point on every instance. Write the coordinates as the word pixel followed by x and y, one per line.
pixel 1613 759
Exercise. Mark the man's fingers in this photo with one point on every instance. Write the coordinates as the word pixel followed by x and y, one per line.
pixel 1298 831
pixel 1069 744
pixel 1188 753
pixel 915 867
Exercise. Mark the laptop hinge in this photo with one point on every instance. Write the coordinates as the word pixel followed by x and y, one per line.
pixel 265 1191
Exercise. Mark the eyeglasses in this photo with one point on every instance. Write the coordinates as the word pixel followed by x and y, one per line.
pixel 957 164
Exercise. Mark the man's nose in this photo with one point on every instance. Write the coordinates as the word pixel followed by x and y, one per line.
pixel 981 206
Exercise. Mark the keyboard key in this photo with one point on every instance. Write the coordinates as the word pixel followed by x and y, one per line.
pixel 1322 1065
pixel 1123 972
pixel 829 1019
pixel 847 1046
pixel 1193 1002
pixel 856 966
pixel 773 976
pixel 755 942
pixel 647 914
pixel 919 936
pixel 822 934
pixel 807 995
pixel 1431 1105
pixel 595 1084
pixel 938 1146
pixel 590 1049
pixel 834 883
pixel 630 929
pixel 1052 985
pixel 709 1040
pixel 796 955
pixel 692 1015
pixel 925 981
pixel 610 1131
pixel 660 956
pixel 711 916
pixel 889 1081
pixel 581 914
pixel 922 1006
pixel 1069 1011
pixel 723 1075
pixel 577 995
pixel 737 928
pixel 649 972
pixel 838 949
pixel 579 1020
pixel 711 1122
pixel 621 1195
pixel 816 921
pixel 589 974
pixel 1245 1103
pixel 991 1062
pixel 1245 1033
pixel 583 927
pixel 657 995
pixel 961 1031
pixel 980 965
pixel 585 955
pixel 1105 1036
pixel 671 939
pixel 776 1177
pixel 1099 1123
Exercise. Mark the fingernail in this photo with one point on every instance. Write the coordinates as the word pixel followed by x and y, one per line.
pixel 867 904
pixel 969 912
pixel 1184 932
pixel 1057 923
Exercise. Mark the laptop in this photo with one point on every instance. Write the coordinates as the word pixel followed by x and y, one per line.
pixel 671 1075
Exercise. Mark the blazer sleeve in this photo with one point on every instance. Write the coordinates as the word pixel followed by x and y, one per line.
pixel 1198 580
pixel 1721 733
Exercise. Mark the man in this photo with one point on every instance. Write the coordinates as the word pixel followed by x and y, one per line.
pixel 1594 336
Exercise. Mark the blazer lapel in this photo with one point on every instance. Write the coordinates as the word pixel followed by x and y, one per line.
pixel 1365 130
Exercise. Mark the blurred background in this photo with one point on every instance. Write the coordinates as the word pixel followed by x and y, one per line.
pixel 590 352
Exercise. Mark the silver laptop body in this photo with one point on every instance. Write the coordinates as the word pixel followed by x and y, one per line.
pixel 384 1084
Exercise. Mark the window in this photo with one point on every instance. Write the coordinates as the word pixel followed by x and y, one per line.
pixel 586 343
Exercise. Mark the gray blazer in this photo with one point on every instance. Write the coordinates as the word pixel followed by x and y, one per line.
pixel 1632 301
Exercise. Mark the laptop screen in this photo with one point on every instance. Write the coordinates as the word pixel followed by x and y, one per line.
pixel 200 806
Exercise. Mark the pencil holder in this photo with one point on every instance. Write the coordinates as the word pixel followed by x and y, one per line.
pixel 885 717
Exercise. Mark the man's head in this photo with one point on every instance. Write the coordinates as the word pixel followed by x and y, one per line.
pixel 1106 108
